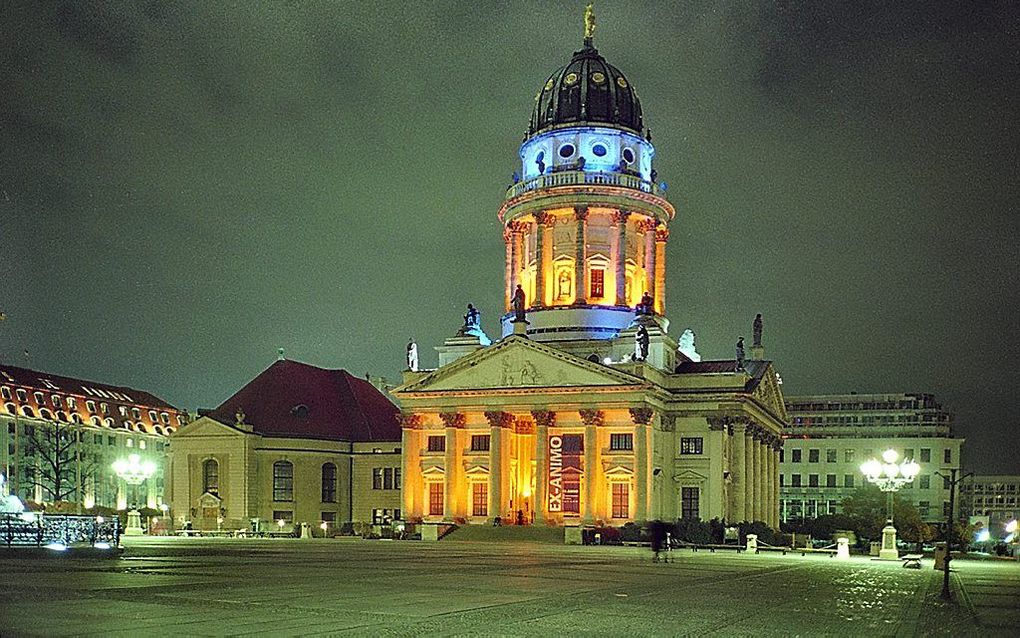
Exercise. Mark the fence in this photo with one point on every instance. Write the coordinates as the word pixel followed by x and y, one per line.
pixel 35 529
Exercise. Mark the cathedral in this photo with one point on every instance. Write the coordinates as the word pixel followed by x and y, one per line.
pixel 587 410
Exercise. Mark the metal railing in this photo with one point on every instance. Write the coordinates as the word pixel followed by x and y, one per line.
pixel 36 529
pixel 582 178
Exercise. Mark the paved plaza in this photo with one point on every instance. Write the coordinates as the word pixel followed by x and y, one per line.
pixel 289 587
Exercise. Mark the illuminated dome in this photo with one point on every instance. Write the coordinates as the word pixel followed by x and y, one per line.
pixel 588 90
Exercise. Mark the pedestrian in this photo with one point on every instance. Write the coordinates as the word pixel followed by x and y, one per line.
pixel 658 530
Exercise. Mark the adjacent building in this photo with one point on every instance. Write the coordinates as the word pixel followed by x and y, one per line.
pixel 992 496
pixel 59 438
pixel 829 436
pixel 297 444
pixel 587 409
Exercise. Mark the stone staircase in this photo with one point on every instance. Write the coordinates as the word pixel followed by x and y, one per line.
pixel 507 533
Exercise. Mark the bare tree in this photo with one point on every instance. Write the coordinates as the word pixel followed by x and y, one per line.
pixel 56 459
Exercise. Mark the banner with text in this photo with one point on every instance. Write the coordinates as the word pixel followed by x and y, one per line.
pixel 566 464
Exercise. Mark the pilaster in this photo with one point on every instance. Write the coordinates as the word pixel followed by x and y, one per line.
pixel 620 256
pixel 661 235
pixel 580 257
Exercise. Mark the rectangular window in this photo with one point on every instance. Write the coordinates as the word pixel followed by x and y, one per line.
pixel 396 478
pixel 598 282
pixel 848 456
pixel 479 499
pixel 691 445
pixel 830 480
pixel 377 479
pixel 572 494
pixel 111 440
pixel 283 481
pixel 924 508
pixel 435 499
pixel 908 454
pixel 328 483
pixel 388 478
pixel 795 480
pixel 812 456
pixel 621 500
pixel 104 408
pixel 782 455
pixel 848 480
pixel 480 443
pixel 97 439
pixel 437 444
pixel 287 516
pixel 812 480
pixel 689 507
pixel 135 412
pixel 947 456
pixel 6 392
pixel 830 456
pixel 621 441
pixel 796 456
pixel 782 480
pixel 329 518
pixel 90 406
pixel 924 481
pixel 926 455
pixel 832 507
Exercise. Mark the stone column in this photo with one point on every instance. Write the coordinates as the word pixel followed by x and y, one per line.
pixel 410 445
pixel 543 254
pixel 737 478
pixel 748 473
pixel 543 420
pixel 620 256
pixel 580 257
pixel 592 474
pixel 508 239
pixel 759 478
pixel 661 235
pixel 499 461
pixel 775 481
pixel 642 472
pixel 649 229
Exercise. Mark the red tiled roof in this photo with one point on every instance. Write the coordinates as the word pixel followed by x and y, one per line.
pixel 56 384
pixel 295 399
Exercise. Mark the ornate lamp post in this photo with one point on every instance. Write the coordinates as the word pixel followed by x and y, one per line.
pixel 134 471
pixel 889 477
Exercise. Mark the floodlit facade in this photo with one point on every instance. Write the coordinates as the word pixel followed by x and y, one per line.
pixel 55 427
pixel 587 410
pixel 297 444
pixel 829 436
pixel 994 496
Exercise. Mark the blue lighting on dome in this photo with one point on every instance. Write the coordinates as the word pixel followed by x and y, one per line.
pixel 591 149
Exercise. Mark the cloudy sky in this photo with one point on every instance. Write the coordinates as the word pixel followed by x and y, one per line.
pixel 186 187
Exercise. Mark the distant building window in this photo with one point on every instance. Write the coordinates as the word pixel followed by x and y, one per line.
pixel 328 483
pixel 28 411
pixel 22 395
pixel 926 455
pixel 90 406
pixel 435 499
pixel 164 417
pixel 135 412
pixel 795 456
pixel 71 403
pixel 329 518
pixel 689 506
pixel 437 444
pixel 691 445
pixel 105 409
pixel 141 444
pixel 795 480
pixel 924 508
pixel 129 442
pixel 848 480
pixel 5 392
pixel 388 478
pixel 211 477
pixel 812 480
pixel 621 441
pixel 598 282
pixel 621 500
pixel 947 456
pixel 479 499
pixel 830 456
pixel 55 400
pixel 924 481
pixel 830 480
pixel 377 480
pixel 782 480
pixel 153 417
pixel 283 481
pixel 122 409
pixel 848 456
pixel 287 516
pixel 812 456
pixel 480 443
pixel 39 398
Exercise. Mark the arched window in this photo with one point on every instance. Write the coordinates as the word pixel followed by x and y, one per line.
pixel 27 411
pixel 211 477
pixel 328 483
pixel 283 481
pixel 11 408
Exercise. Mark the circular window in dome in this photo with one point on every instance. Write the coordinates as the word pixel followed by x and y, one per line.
pixel 549 85
pixel 566 150
pixel 598 77
pixel 599 150
pixel 571 78
pixel 622 82
pixel 628 156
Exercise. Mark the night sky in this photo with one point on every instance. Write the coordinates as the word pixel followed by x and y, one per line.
pixel 187 187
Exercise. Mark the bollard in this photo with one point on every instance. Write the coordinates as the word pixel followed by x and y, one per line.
pixel 843 548
pixel 752 543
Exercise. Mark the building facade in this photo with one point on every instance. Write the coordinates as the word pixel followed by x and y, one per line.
pixel 994 496
pixel 829 436
pixel 296 444
pixel 586 410
pixel 59 438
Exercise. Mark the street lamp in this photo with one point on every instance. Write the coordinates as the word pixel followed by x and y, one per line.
pixel 134 471
pixel 889 477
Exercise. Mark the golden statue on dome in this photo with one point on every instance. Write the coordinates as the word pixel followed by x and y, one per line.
pixel 589 22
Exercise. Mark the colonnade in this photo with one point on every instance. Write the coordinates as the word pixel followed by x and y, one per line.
pixel 754 471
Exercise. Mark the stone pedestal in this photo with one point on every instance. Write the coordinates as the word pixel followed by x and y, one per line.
pixel 752 544
pixel 843 548
pixel 429 531
pixel 889 551
pixel 520 327
pixel 134 524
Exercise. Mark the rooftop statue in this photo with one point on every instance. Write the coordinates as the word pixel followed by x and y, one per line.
pixel 687 346
pixel 740 354
pixel 641 344
pixel 412 355
pixel 518 303
pixel 472 319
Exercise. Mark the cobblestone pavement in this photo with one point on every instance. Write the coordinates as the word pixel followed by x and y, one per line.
pixel 289 587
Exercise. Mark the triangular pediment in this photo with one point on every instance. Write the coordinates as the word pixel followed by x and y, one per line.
pixel 517 362
pixel 770 394
pixel 206 426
